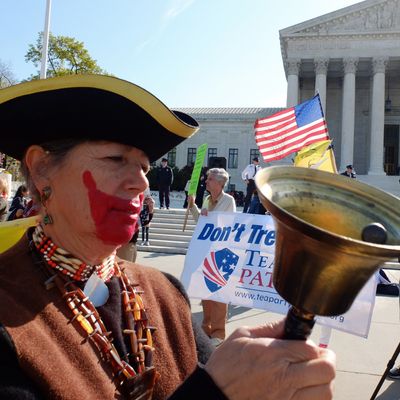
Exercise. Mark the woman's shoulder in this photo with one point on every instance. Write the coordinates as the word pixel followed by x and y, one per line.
pixel 155 279
pixel 142 272
pixel 229 197
pixel 17 200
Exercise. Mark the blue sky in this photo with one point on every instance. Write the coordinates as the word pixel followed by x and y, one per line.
pixel 190 53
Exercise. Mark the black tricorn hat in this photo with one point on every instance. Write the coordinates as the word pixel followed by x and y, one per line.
pixel 92 107
pixel 349 166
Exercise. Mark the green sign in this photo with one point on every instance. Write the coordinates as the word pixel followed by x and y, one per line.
pixel 194 179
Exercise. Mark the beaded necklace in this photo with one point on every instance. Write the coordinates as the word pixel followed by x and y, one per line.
pixel 61 260
pixel 134 375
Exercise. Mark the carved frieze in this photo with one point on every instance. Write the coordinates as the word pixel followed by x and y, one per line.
pixel 384 16
pixel 358 45
pixel 317 45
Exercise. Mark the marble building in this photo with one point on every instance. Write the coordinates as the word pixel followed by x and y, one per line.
pixel 229 133
pixel 352 58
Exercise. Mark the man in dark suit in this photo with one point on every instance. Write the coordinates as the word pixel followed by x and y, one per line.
pixel 349 172
pixel 165 176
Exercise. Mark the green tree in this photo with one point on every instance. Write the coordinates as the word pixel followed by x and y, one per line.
pixel 66 56
pixel 7 77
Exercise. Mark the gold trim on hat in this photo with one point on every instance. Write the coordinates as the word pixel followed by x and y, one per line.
pixel 144 99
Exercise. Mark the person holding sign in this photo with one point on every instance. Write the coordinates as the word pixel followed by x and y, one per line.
pixel 214 313
pixel 77 322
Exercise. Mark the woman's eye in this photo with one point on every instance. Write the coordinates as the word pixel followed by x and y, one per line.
pixel 115 158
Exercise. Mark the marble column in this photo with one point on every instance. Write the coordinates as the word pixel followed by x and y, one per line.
pixel 321 70
pixel 348 107
pixel 293 69
pixel 377 116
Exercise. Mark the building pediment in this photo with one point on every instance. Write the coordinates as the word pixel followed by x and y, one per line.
pixel 368 17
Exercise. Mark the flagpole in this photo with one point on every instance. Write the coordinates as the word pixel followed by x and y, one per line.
pixel 45 46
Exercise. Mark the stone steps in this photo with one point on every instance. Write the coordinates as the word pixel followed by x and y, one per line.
pixel 165 233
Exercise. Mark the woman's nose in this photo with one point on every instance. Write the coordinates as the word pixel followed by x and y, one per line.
pixel 136 180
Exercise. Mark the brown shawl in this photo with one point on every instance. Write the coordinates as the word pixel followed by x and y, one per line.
pixel 55 354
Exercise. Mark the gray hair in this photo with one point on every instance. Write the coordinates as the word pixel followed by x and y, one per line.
pixel 57 152
pixel 220 175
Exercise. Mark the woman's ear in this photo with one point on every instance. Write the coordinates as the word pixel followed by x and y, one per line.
pixel 35 160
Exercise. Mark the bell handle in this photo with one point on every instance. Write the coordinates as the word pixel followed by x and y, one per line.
pixel 298 325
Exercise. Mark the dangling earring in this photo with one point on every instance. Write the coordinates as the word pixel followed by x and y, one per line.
pixel 46 193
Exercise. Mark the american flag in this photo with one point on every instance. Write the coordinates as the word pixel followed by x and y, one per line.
pixel 288 131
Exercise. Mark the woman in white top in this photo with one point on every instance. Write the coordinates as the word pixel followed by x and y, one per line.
pixel 214 313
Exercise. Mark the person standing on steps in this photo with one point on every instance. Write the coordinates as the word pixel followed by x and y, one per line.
pixel 146 215
pixel 349 172
pixel 165 177
pixel 248 175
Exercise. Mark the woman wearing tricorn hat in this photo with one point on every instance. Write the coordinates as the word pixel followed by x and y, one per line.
pixel 75 321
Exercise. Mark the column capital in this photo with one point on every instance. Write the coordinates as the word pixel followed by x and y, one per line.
pixel 293 66
pixel 321 65
pixel 379 64
pixel 350 65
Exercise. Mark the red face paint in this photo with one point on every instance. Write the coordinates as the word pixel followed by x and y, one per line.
pixel 115 218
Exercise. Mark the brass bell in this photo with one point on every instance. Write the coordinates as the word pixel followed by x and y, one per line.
pixel 321 219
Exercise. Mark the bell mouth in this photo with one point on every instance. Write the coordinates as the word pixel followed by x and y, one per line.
pixel 329 206
pixel 321 262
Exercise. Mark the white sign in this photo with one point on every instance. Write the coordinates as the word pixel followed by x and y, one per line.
pixel 231 258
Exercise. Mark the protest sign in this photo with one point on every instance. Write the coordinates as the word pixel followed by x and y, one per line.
pixel 194 179
pixel 231 259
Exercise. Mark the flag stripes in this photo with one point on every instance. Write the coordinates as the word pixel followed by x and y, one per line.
pixel 212 272
pixel 281 134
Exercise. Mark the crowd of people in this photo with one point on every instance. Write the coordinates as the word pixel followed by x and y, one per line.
pixel 21 204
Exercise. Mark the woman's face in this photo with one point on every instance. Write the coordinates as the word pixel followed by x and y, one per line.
pixel 95 191
pixel 213 184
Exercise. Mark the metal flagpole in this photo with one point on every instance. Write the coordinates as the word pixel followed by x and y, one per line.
pixel 45 46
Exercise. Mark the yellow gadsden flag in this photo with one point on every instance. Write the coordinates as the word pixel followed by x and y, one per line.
pixel 318 155
pixel 12 231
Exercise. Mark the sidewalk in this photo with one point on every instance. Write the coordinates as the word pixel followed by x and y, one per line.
pixel 360 362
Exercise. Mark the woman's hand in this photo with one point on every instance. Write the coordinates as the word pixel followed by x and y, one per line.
pixel 191 199
pixel 204 212
pixel 250 364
